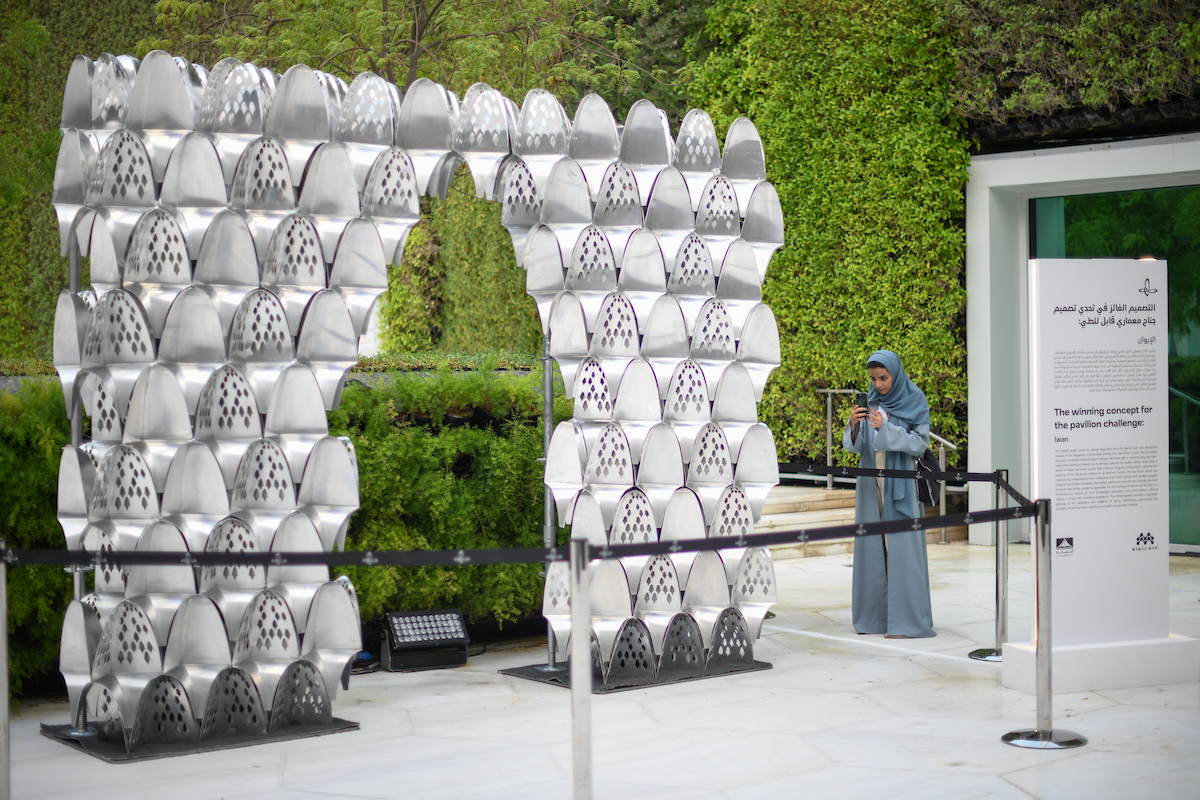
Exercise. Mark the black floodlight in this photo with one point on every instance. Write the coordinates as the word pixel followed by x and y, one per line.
pixel 417 640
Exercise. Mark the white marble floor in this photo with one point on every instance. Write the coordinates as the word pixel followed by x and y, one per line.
pixel 840 716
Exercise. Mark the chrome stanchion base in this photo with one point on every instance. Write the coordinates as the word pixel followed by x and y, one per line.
pixel 1034 739
pixel 986 654
pixel 549 668
pixel 79 733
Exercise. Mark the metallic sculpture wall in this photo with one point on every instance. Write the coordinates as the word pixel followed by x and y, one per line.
pixel 239 226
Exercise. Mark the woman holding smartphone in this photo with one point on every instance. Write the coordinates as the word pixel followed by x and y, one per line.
pixel 891 571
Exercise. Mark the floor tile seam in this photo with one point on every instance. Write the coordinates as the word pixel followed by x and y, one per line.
pixel 870 643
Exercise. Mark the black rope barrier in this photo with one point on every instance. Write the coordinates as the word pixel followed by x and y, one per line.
pixel 1013 493
pixel 500 555
pixel 957 476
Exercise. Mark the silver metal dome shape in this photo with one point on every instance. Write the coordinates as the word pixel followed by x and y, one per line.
pixel 758 467
pixel 755 588
pixel 687 408
pixel 263 491
pixel 295 268
pixel 334 636
pixel 193 188
pixel 692 281
pixel 683 520
pixel 163 105
pixel 232 588
pixel 124 491
pixel 104 711
pixel 556 603
pixel 739 288
pixel 665 343
pixel 227 269
pixel 697 152
pixel 295 417
pixel 197 648
pixel 194 496
pixel 568 337
pixel 633 523
pixel 234 707
pixel 92 229
pixel 587 520
pixel 544 272
pixel 227 419
pixel 157 267
pixel 565 459
pixel 123 184
pixel 646 146
pixel 98 395
pixel 262 192
pixel 593 400
pixel 127 658
pixel 743 163
pixel 710 469
pixel 636 407
pixel 158 422
pixel 159 590
pixel 591 272
pixel 566 208
pixel 615 338
pixel 112 88
pixel 609 470
pixel 77 95
pixel 618 207
pixel 329 490
pixel 300 698
pixel 192 345
pixel 543 135
pixel 391 201
pixel 483 136
pixel 297 584
pixel 260 344
pixel 609 595
pixel 731 643
pixel 758 349
pixel 763 226
pixel 71 319
pixel 707 594
pixel 367 122
pixel 164 716
pixel 76 484
pixel 72 172
pixel 300 117
pixel 348 587
pixel 266 643
pixel 335 94
pixel 520 203
pixel 734 408
pixel 633 653
pixel 118 344
pixel 426 130
pixel 713 347
pixel 359 273
pixel 328 344
pixel 733 517
pixel 80 638
pixel 682 648
pixel 717 218
pixel 595 141
pixel 641 276
pixel 661 470
pixel 669 213
pixel 109 587
pixel 237 99
pixel 329 196
pixel 658 598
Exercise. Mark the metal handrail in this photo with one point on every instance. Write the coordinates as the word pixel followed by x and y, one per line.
pixel 1184 395
pixel 1183 428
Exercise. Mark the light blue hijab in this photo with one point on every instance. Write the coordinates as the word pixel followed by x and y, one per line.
pixel 906 405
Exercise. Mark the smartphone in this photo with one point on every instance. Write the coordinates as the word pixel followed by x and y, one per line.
pixel 860 399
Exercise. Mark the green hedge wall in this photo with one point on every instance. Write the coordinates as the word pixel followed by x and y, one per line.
pixel 851 101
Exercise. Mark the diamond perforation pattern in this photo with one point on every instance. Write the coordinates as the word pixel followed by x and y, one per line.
pixel 688 398
pixel 393 192
pixel 613 464
pixel 260 331
pixel 733 517
pixel 294 256
pixel 633 522
pixel 158 252
pixel 226 409
pixel 122 176
pixel 711 462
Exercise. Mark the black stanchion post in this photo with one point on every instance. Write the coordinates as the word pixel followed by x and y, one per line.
pixel 1043 737
pixel 5 763
pixel 1000 478
pixel 581 672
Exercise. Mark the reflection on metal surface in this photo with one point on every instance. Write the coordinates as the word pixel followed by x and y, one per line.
pixel 295 418
pixel 76 482
pixel 197 648
pixel 646 145
pixel 542 136
pixel 707 593
pixel 72 170
pixel 262 191
pixel 227 419
pixel 329 490
pixel 77 650
pixel 758 348
pixel 669 212
pixel 193 188
pixel 300 117
pixel 483 136
pixel 618 209
pixel 158 421
pixel 163 105
pixel 329 197
pixel 227 267
pixel 390 200
pixel 192 345
pixel 595 142
pixel 426 130
pixel 763 227
pixel 697 154
pixel 566 207
pixel 521 203
pixel 237 99
pixel 661 471
pixel 743 163
pixel 194 497
pixel 733 517
pixel 334 636
pixel 328 344
pixel 71 319
pixel 232 588
pixel 755 589
pixel 367 124
pixel 297 584
pixel 717 218
pixel 295 268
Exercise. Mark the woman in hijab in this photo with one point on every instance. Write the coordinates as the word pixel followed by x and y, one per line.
pixel 891 571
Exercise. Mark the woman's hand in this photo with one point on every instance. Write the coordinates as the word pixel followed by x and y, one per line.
pixel 874 419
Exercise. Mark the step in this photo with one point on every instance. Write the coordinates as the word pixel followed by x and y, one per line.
pixel 792 499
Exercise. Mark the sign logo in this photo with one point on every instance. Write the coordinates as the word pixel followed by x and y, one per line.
pixel 1064 547
pixel 1146 290
pixel 1144 541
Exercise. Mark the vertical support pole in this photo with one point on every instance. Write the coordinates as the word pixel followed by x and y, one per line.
pixel 5 762
pixel 74 281
pixel 581 672
pixel 1043 737
pixel 942 496
pixel 999 478
pixel 548 533
pixel 1187 455
pixel 829 437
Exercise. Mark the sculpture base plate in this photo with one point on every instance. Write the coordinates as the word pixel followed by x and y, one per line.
pixel 1055 739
